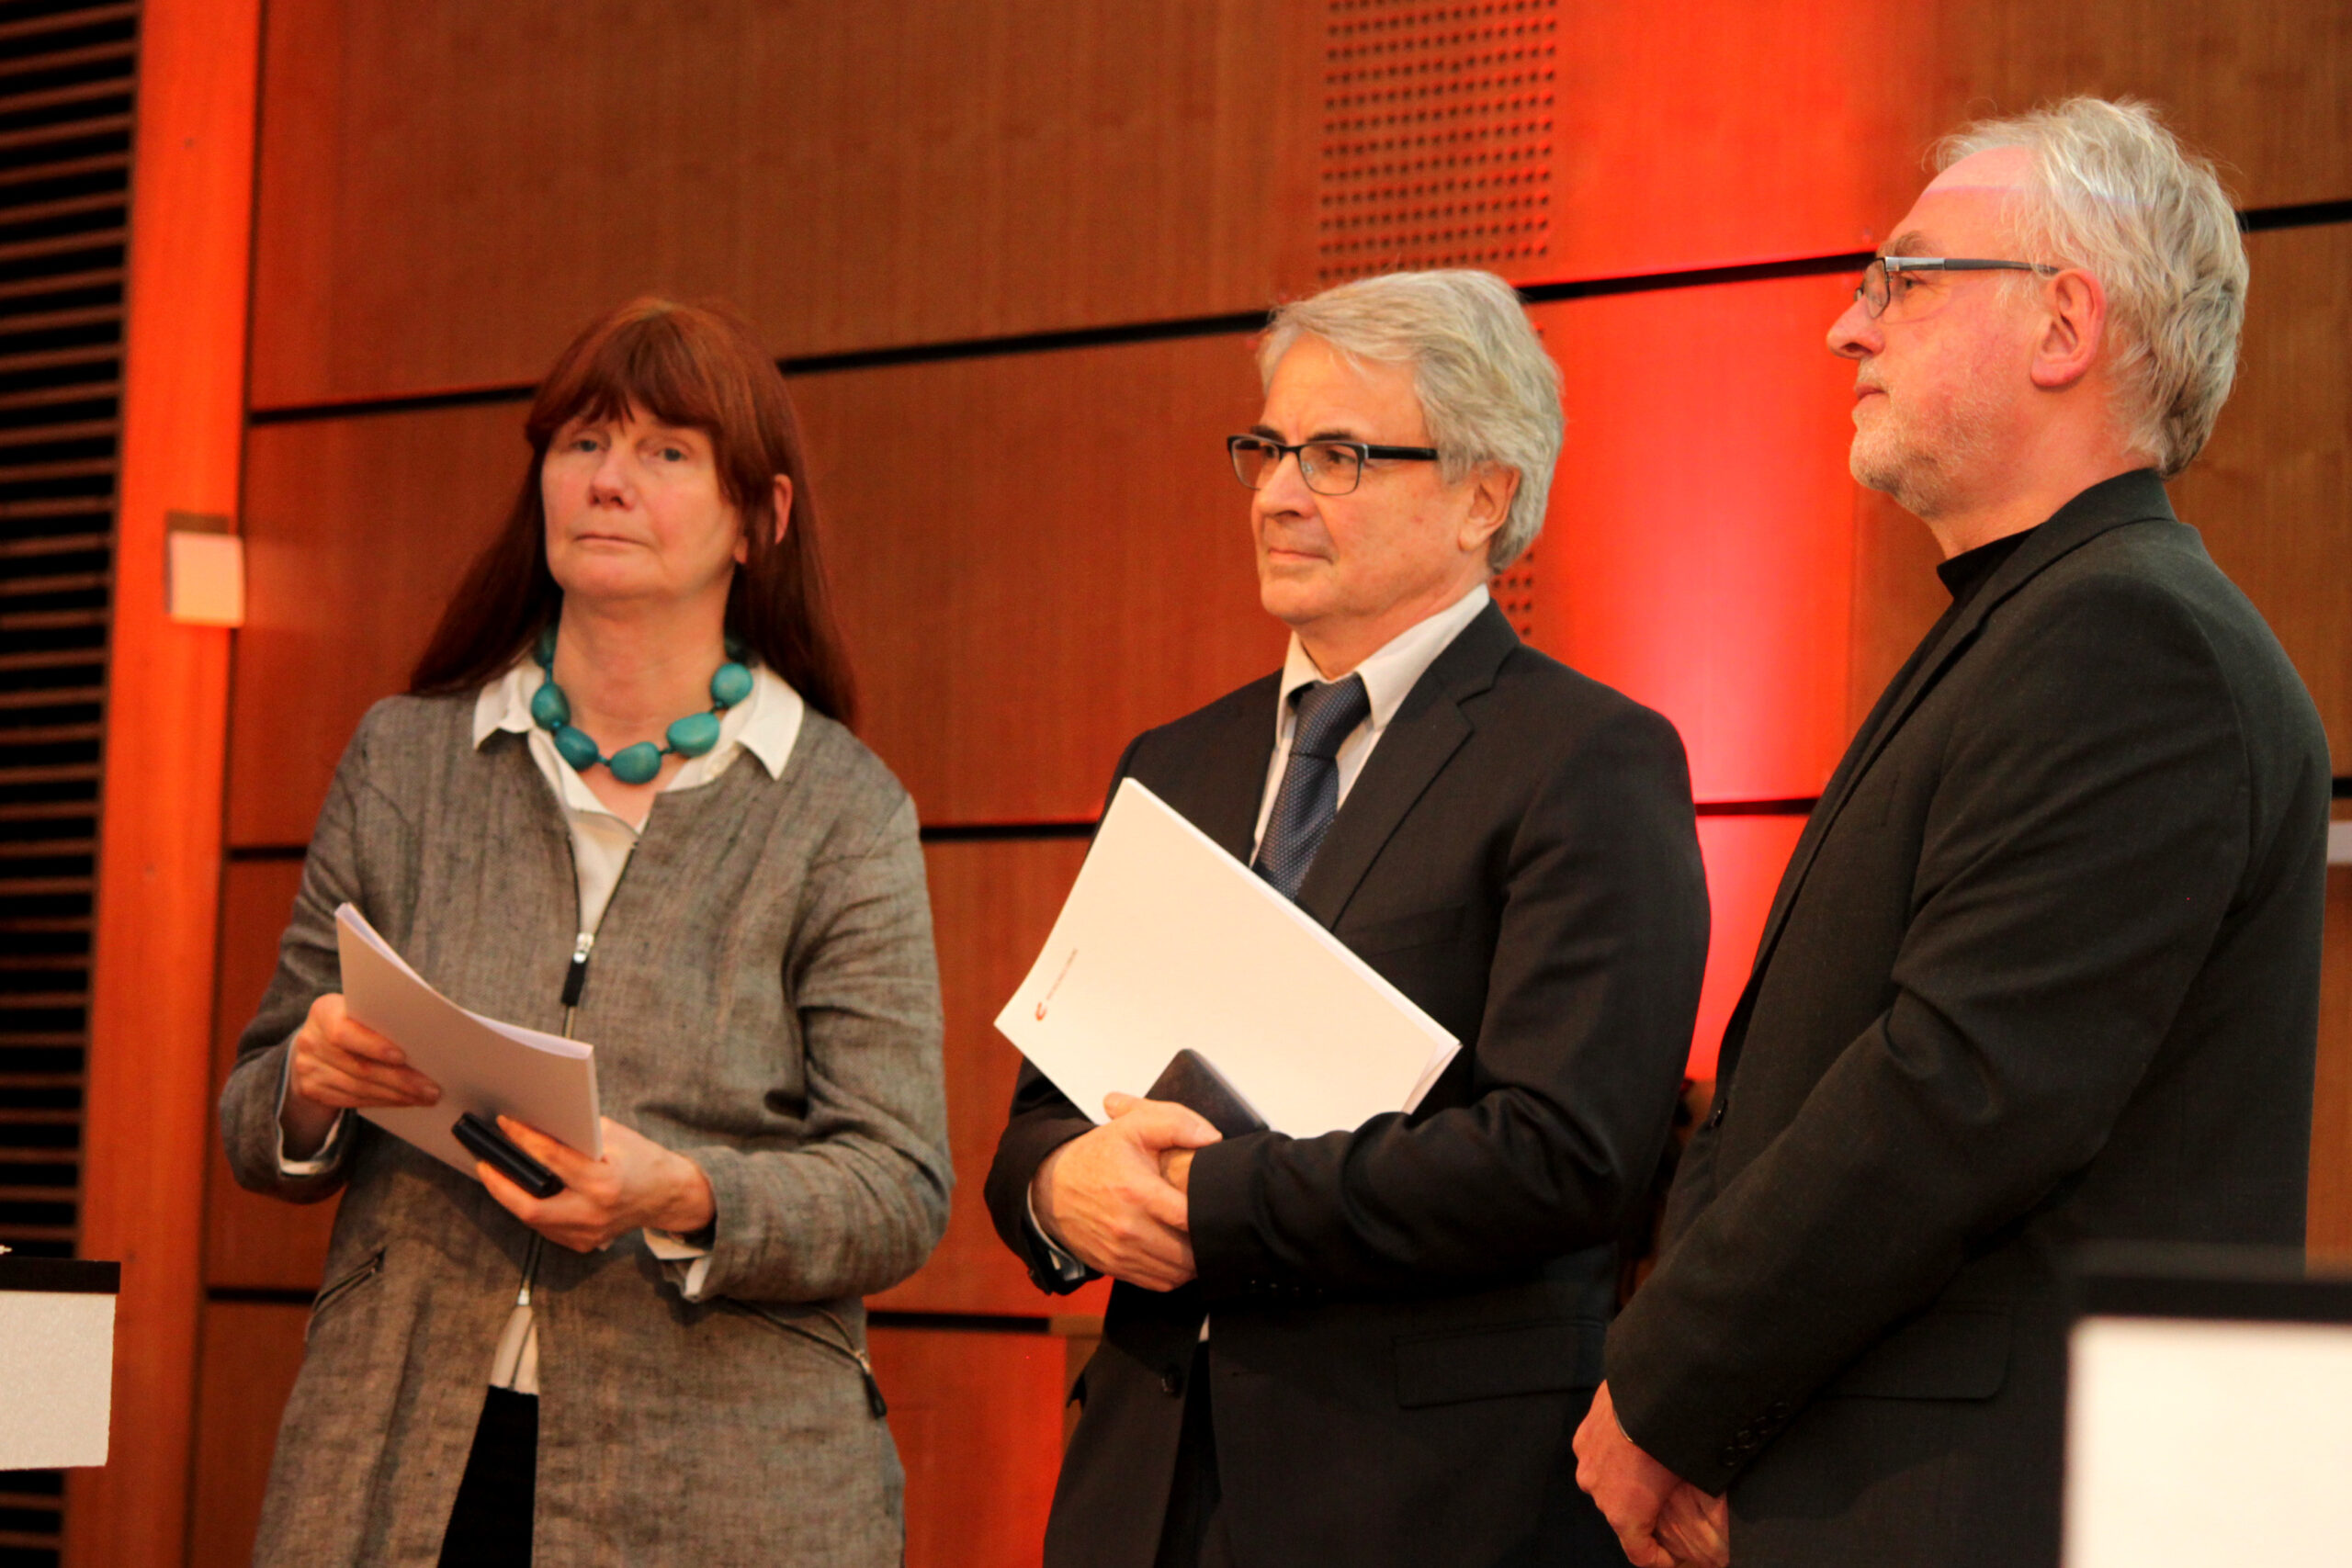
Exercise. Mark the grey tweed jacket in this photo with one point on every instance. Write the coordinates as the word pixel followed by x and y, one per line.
pixel 763 997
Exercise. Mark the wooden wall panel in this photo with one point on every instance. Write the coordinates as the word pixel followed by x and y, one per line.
pixel 252 1242
pixel 1667 156
pixel 992 904
pixel 2267 89
pixel 1699 553
pixel 2272 492
pixel 251 1352
pixel 1672 150
pixel 356 530
pixel 977 1419
pixel 435 179
pixel 448 191
pixel 2329 1228
pixel 1037 557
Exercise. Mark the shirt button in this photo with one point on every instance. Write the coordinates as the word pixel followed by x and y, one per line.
pixel 1716 1116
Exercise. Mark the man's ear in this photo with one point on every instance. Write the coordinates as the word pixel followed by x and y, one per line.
pixel 2074 328
pixel 1492 489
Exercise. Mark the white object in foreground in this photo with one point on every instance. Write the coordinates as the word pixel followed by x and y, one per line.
pixel 483 1065
pixel 2202 1441
pixel 56 1361
pixel 1168 942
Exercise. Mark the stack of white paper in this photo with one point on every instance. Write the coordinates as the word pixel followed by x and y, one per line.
pixel 483 1065
pixel 1168 942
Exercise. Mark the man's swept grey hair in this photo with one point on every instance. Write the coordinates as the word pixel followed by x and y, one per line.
pixel 1489 392
pixel 2115 194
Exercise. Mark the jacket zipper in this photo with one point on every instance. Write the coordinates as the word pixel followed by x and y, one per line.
pixel 846 1347
pixel 575 985
pixel 330 1294
pixel 575 974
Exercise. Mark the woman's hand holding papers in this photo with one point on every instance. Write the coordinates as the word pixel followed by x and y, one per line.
pixel 1102 1196
pixel 342 1064
pixel 637 1186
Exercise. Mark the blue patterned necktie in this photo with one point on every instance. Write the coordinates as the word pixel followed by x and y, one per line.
pixel 1309 796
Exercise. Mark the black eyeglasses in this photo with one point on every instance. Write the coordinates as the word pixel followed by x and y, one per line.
pixel 1881 285
pixel 1329 468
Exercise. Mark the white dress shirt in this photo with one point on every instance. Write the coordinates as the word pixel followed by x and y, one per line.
pixel 1389 675
pixel 765 724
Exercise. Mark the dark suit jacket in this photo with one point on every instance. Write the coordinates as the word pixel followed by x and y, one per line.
pixel 1408 1317
pixel 2044 968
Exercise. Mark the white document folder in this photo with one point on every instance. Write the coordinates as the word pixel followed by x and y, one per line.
pixel 1168 942
pixel 483 1065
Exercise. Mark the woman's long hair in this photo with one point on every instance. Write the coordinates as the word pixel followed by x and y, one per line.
pixel 683 364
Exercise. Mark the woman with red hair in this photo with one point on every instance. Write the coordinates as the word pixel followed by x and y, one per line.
pixel 620 802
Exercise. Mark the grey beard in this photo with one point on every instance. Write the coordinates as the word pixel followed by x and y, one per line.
pixel 1908 477
pixel 1922 478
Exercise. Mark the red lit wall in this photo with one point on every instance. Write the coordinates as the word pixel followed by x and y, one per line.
pixel 1699 556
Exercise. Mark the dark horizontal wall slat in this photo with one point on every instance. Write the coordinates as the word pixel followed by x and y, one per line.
pixel 2254 219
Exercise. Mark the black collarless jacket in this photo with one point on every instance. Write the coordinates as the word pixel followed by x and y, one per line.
pixel 1408 1317
pixel 2044 968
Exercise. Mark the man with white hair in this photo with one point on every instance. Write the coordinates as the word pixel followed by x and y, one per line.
pixel 2044 967
pixel 1372 1347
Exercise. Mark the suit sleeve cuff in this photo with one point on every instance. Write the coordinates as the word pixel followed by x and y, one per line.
pixel 1687 1441
pixel 1229 1255
pixel 1026 1146
pixel 1050 1260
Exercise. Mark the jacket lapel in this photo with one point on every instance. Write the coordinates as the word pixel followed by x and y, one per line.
pixel 1428 729
pixel 1224 780
pixel 2134 497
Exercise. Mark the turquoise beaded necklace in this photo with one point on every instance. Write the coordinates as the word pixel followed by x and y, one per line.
pixel 641 764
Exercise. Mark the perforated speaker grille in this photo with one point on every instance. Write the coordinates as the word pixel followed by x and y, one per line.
pixel 66 89
pixel 1514 592
pixel 1437 135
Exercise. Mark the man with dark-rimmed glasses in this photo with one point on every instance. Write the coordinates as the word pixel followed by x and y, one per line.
pixel 1371 1348
pixel 2044 967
